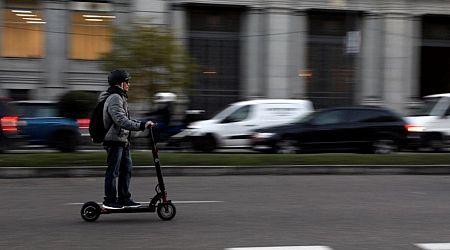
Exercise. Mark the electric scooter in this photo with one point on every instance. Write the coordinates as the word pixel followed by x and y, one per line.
pixel 91 210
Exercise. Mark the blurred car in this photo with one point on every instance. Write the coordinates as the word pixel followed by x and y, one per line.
pixel 231 128
pixel 430 123
pixel 9 136
pixel 344 129
pixel 42 125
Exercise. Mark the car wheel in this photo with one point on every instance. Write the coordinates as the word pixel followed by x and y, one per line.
pixel 64 141
pixel 205 144
pixel 209 144
pixel 435 143
pixel 384 145
pixel 287 146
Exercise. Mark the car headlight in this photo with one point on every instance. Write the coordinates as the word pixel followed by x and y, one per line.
pixel 263 135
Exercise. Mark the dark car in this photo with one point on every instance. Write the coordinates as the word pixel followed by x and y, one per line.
pixel 346 129
pixel 9 136
pixel 40 124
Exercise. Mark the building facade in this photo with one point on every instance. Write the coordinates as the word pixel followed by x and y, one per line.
pixel 334 52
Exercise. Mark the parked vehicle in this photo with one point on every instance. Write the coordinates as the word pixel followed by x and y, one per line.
pixel 9 136
pixel 232 126
pixel 430 123
pixel 41 125
pixel 344 129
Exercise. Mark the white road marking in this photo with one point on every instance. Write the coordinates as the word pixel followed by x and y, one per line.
pixel 434 246
pixel 188 202
pixel 282 248
pixel 175 202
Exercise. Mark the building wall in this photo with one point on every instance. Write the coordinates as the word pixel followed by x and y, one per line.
pixel 387 67
pixel 388 59
pixel 49 77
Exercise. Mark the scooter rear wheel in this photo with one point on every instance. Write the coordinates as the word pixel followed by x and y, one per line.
pixel 166 211
pixel 90 211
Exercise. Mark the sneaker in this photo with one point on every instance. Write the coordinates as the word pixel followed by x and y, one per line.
pixel 112 205
pixel 130 204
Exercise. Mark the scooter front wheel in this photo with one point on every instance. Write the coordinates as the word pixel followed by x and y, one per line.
pixel 90 211
pixel 166 211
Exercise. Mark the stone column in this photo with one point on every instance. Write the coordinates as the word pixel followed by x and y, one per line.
pixel 252 54
pixel 297 66
pixel 398 45
pixel 56 18
pixel 176 20
pixel 3 91
pixel 413 82
pixel 122 11
pixel 372 60
pixel 277 50
pixel 177 23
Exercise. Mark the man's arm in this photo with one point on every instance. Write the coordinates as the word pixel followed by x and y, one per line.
pixel 118 115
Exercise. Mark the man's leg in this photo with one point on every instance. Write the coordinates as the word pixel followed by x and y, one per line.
pixel 126 166
pixel 114 158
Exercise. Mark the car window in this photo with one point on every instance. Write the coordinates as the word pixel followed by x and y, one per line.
pixel 426 107
pixel 372 116
pixel 224 113
pixel 3 109
pixel 307 118
pixel 328 117
pixel 446 106
pixel 41 110
pixel 447 113
pixel 238 115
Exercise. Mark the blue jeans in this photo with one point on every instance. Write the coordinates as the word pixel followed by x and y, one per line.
pixel 119 165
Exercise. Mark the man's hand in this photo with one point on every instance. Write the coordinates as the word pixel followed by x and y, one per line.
pixel 149 124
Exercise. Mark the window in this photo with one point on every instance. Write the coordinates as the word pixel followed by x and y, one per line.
pixel 330 117
pixel 238 115
pixel 214 41
pixel 372 116
pixel 19 94
pixel 364 115
pixel 447 112
pixel 426 107
pixel 23 30
pixel 90 35
pixel 38 110
pixel 5 108
pixel 333 73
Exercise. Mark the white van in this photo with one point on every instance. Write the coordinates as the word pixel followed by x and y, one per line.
pixel 429 125
pixel 232 126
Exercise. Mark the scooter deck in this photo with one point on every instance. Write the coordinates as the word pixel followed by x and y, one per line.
pixel 141 209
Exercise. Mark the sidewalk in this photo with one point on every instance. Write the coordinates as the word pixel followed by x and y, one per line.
pixel 96 171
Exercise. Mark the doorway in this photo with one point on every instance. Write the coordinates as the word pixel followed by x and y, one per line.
pixel 435 70
pixel 435 55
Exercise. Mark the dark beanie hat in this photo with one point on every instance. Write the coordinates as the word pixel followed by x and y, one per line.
pixel 118 76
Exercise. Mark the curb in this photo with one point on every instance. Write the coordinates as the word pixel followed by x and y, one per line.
pixel 98 171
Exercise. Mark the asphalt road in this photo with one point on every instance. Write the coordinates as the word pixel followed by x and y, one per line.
pixel 336 212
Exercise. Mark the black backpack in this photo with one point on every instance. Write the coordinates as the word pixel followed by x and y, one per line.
pixel 97 129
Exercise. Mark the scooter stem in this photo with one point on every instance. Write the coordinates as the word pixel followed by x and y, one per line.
pixel 162 188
